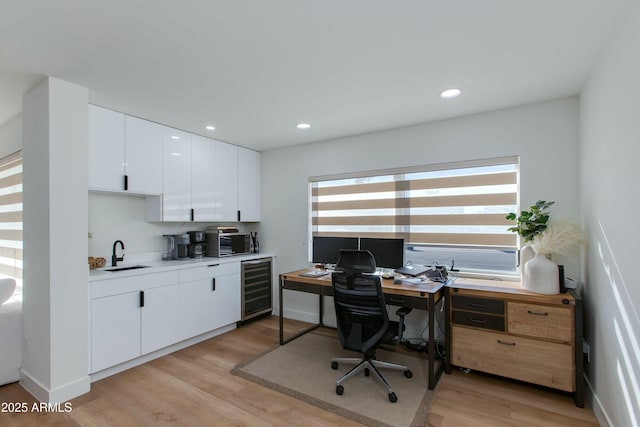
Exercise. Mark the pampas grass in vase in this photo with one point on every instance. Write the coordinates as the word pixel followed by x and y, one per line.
pixel 541 274
pixel 560 238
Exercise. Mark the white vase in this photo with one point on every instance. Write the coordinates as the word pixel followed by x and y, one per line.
pixel 526 253
pixel 541 276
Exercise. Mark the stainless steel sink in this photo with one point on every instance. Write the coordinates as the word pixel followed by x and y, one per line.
pixel 132 267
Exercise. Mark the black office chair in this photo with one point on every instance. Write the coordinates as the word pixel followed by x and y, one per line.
pixel 362 320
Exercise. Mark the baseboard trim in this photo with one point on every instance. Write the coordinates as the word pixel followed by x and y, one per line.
pixel 598 410
pixel 60 394
pixel 96 376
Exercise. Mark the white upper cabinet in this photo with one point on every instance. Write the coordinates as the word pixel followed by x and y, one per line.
pixel 176 199
pixel 203 179
pixel 248 185
pixel 143 155
pixel 106 149
pixel 186 177
pixel 226 179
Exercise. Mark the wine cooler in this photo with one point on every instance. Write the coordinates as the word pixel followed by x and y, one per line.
pixel 257 294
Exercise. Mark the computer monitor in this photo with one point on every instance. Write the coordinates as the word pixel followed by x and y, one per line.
pixel 388 253
pixel 326 250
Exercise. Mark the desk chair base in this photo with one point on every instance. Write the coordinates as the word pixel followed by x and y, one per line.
pixel 369 365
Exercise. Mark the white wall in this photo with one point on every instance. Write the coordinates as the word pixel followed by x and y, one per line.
pixel 610 151
pixel 544 135
pixel 55 296
pixel 11 136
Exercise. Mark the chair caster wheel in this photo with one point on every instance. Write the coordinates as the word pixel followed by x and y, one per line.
pixel 366 372
pixel 408 373
pixel 334 365
pixel 392 397
pixel 339 390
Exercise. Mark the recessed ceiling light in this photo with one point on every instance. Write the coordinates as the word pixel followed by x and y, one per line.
pixel 303 125
pixel 210 127
pixel 175 137
pixel 450 93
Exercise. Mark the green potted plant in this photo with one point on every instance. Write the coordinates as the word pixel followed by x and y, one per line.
pixel 529 224
pixel 532 222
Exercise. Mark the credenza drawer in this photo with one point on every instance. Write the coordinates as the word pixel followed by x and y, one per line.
pixel 540 362
pixel 483 305
pixel 478 320
pixel 540 321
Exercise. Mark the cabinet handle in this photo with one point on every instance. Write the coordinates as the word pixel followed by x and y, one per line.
pixel 475 304
pixel 141 299
pixel 471 319
pixel 506 343
pixel 213 265
pixel 238 215
pixel 213 284
pixel 126 182
pixel 193 214
pixel 537 313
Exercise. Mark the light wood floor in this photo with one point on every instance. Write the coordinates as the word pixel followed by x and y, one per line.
pixel 195 387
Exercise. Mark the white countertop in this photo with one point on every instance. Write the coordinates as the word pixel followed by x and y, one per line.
pixel 159 266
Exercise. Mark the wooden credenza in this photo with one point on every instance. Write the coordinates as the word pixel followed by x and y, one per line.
pixel 502 329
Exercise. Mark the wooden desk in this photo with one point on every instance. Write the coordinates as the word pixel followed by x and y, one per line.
pixel 423 296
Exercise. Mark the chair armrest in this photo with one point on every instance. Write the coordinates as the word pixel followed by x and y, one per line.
pixel 401 312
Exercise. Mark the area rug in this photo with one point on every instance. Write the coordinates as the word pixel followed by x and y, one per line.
pixel 302 369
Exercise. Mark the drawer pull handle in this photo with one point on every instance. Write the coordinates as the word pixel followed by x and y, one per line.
pixel 475 304
pixel 401 301
pixel 471 319
pixel 213 265
pixel 537 313
pixel 506 343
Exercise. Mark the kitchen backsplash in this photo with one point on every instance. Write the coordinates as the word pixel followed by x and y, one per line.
pixel 121 217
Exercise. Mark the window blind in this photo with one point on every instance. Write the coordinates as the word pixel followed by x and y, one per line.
pixel 449 204
pixel 11 216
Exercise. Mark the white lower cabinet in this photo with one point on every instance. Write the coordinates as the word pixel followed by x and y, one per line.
pixel 115 330
pixel 136 315
pixel 210 298
pixel 159 317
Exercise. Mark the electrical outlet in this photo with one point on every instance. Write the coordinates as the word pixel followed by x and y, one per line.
pixel 586 349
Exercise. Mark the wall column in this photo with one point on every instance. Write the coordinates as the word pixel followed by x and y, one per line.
pixel 55 297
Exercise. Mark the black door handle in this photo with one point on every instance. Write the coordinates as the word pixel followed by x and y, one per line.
pixel 141 299
pixel 213 284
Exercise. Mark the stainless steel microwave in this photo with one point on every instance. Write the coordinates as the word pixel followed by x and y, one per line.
pixel 227 244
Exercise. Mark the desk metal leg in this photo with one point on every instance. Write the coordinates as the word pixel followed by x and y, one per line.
pixel 309 329
pixel 434 375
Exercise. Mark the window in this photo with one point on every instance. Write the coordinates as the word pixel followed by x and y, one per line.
pixel 11 217
pixel 444 212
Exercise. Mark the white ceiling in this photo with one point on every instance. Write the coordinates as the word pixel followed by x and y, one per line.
pixel 255 68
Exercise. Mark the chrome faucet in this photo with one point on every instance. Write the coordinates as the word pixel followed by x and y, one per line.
pixel 114 257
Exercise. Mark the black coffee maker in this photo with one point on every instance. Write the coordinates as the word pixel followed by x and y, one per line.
pixel 198 247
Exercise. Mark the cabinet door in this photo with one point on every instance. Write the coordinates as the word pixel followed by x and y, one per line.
pixel 143 156
pixel 197 307
pixel 226 178
pixel 209 303
pixel 159 319
pixel 176 197
pixel 106 149
pixel 248 185
pixel 115 330
pixel 203 178
pixel 227 300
